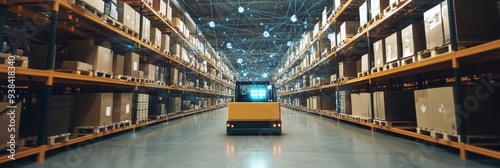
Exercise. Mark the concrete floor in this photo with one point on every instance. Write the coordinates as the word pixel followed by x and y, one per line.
pixel 307 141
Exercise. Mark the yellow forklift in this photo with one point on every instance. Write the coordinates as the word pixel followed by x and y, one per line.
pixel 254 110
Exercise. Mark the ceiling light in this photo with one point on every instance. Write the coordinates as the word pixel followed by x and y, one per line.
pixel 244 74
pixel 229 45
pixel 212 24
pixel 264 75
pixel 266 34
pixel 289 43
pixel 239 60
pixel 293 18
pixel 241 9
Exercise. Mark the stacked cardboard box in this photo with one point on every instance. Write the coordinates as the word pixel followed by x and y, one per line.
pixel 149 71
pixel 364 63
pixel 379 53
pixel 161 7
pixel 361 105
pixel 93 109
pixel 165 42
pixel 118 62
pixel 393 46
pixel 363 14
pixel 378 6
pixel 38 56
pixel 77 65
pixel 338 4
pixel 131 64
pixel 111 9
pixel 146 29
pixel 347 69
pixel 173 77
pixel 345 101
pixel 99 57
pixel 413 39
pixel 348 30
pixel 394 106
pixel 126 15
pixel 142 107
pixel 122 107
pixel 174 104
pixel 156 36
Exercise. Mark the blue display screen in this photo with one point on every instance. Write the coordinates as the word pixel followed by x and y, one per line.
pixel 258 93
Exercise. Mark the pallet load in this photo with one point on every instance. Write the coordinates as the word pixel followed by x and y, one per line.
pixel 169 13
pixel 393 51
pixel 436 111
pixel 186 105
pixel 99 57
pixel 8 115
pixel 413 39
pixel 156 37
pixel 174 104
pixel 178 24
pixel 137 22
pixel 345 102
pixel 122 107
pixel 377 7
pixel 361 105
pixel 93 109
pixel 142 108
pixel 364 66
pixel 149 71
pixel 131 65
pixel 161 7
pixel 469 29
pixel 126 15
pixel 347 70
pixel 348 30
pixel 363 18
pixel 394 106
pixel 146 29
pixel 165 43
pixel 118 63
pixel 161 75
pixel 156 106
pixel 111 9
pixel 338 4
pixel 176 51
pixel 173 77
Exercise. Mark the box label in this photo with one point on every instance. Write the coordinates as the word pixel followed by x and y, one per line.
pixel 108 111
pixel 127 108
pixel 135 66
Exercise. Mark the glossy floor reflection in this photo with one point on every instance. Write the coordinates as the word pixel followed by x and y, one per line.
pixel 307 141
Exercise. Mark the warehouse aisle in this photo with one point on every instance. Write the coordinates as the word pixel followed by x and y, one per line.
pixel 307 141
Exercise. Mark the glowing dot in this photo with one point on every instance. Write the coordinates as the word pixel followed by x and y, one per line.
pixel 212 24
pixel 266 34
pixel 239 61
pixel 269 87
pixel 293 18
pixel 229 45
pixel 271 55
pixel 241 9
pixel 289 43
pixel 264 75
pixel 227 19
pixel 244 74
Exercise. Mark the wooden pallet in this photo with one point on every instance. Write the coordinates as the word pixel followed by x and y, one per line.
pixel 126 78
pixel 160 83
pixel 98 73
pixel 377 69
pixel 112 22
pixel 159 117
pixel 146 41
pixel 384 123
pixel 344 79
pixel 429 53
pixel 89 8
pixel 375 19
pixel 142 121
pixel 51 140
pixel 123 124
pixel 365 120
pixel 18 61
pixel 447 136
pixel 393 6
pixel 362 28
pixel 391 65
pixel 408 60
pixel 130 31
pixel 76 71
pixel 425 131
pixel 362 74
pixel 93 129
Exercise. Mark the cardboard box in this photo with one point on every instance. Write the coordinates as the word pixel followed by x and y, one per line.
pixel 165 42
pixel 131 65
pixel 333 78
pixel 173 76
pixel 176 50
pixel 118 63
pixel 393 47
pixel 5 121
pixel 347 69
pixel 363 14
pixel 348 30
pixel 366 108
pixel 379 53
pixel 357 106
pixel 122 107
pixel 38 56
pixel 100 58
pixel 364 63
pixel 93 109
pixel 178 24
pixel 394 106
pixel 99 5
pixel 378 6
pixel 161 74
pixel 156 36
pixel 141 74
pixel 137 22
pixel 161 7
pixel 169 13
pixel 146 29
pixel 111 10
pixel 76 65
pixel 174 104
pixel 149 71
pixel 423 110
pixel 413 39
pixel 434 35
pixel 324 18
